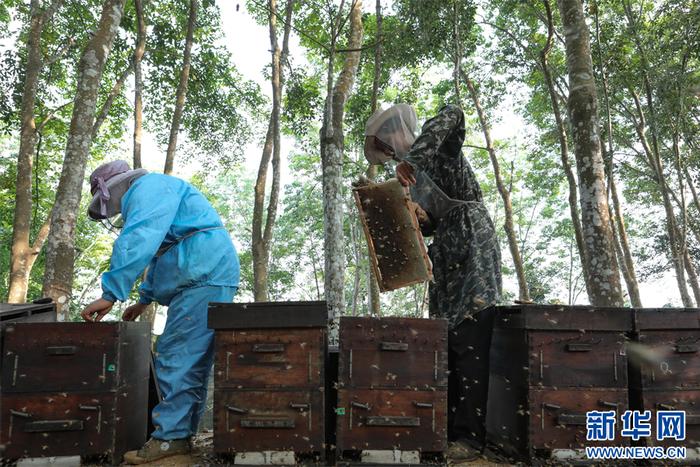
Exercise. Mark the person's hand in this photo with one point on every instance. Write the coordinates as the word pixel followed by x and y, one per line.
pixel 404 172
pixel 133 312
pixel 97 310
pixel 425 222
pixel 421 215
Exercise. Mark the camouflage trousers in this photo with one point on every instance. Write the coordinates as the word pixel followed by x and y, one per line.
pixel 466 264
pixel 467 279
pixel 468 388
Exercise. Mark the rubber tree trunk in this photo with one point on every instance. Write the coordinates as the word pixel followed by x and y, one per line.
pixel 654 158
pixel 332 141
pixel 523 293
pixel 263 225
pixel 181 94
pixel 23 252
pixel 622 246
pixel 683 233
pixel 564 148
pixel 60 251
pixel 604 284
pixel 628 271
pixel 373 297
pixel 116 90
pixel 654 161
pixel 138 81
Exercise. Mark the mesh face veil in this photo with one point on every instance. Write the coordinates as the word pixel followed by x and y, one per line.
pixel 390 133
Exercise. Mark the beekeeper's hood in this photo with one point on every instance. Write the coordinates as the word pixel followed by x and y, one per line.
pixel 394 129
pixel 108 183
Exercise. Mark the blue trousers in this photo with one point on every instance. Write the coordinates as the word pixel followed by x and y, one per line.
pixel 184 355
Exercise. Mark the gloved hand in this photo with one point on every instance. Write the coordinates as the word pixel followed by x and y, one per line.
pixel 405 174
pixel 134 311
pixel 97 310
pixel 425 222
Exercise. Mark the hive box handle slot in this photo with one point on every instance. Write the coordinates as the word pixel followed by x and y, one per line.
pixel 61 350
pixel 571 419
pixel 360 405
pixel 394 346
pixel 267 423
pixel 43 426
pixel 393 421
pixel 686 348
pixel 236 409
pixel 268 348
pixel 299 406
pixel 692 419
pixel 551 406
pixel 571 347
pixel 423 405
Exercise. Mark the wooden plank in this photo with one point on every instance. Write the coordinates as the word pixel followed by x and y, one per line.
pixel 396 247
pixel 261 315
pixel 403 419
pixel 393 353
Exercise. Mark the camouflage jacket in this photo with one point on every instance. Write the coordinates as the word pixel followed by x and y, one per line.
pixel 465 252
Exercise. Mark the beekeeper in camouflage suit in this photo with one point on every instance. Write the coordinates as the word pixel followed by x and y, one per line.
pixel 465 253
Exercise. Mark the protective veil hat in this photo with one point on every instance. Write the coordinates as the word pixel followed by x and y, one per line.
pixel 108 183
pixel 395 128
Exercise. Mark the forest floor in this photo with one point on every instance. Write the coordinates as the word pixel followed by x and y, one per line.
pixel 203 456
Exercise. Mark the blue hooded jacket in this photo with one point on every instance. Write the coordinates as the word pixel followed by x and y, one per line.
pixel 161 211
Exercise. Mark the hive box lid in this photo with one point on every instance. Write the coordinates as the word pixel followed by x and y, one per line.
pixel 258 315
pixel 666 318
pixel 564 318
pixel 20 311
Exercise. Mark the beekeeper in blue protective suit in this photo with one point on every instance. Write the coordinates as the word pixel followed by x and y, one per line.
pixel 171 229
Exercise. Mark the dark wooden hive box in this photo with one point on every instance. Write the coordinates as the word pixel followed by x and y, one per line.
pixel 41 311
pixel 74 389
pixel 269 376
pixel 392 384
pixel 551 364
pixel 672 382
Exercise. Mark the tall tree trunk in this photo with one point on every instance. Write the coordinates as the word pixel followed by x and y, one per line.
pixel 696 200
pixel 604 285
pixel 373 297
pixel 626 261
pixel 523 292
pixel 692 275
pixel 262 234
pixel 654 162
pixel 683 233
pixel 564 148
pixel 60 252
pixel 24 253
pixel 619 231
pixel 181 93
pixel 101 116
pixel 332 140
pixel 654 158
pixel 138 82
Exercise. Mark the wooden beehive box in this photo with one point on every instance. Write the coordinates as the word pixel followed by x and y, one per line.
pixel 74 389
pixel 269 377
pixel 392 385
pixel 396 247
pixel 549 366
pixel 672 382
